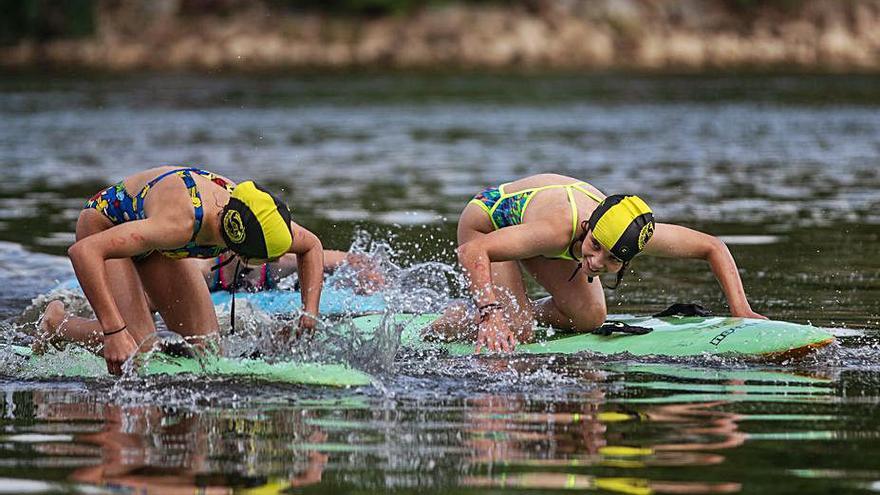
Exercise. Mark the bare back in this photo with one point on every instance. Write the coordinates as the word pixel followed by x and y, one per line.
pixel 551 206
pixel 168 198
pixel 554 203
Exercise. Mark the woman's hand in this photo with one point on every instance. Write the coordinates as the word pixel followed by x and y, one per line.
pixel 118 347
pixel 494 333
pixel 748 314
pixel 368 275
pixel 307 324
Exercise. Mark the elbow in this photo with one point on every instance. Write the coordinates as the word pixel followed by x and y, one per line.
pixel 83 254
pixel 467 252
pixel 461 252
pixel 313 245
pixel 75 252
pixel 464 253
pixel 473 259
pixel 716 249
pixel 711 249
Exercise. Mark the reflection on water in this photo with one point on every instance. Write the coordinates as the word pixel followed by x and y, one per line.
pixel 625 429
pixel 784 168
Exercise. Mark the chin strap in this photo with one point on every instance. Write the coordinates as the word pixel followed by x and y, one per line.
pixel 234 287
pixel 220 265
pixel 576 270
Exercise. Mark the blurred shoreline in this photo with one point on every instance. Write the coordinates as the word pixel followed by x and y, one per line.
pixel 592 35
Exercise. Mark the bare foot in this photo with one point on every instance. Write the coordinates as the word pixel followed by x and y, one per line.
pixel 52 318
pixel 456 325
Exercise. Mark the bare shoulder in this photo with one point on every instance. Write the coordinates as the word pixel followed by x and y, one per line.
pixel 170 201
pixel 136 181
pixel 551 178
pixel 553 231
pixel 539 180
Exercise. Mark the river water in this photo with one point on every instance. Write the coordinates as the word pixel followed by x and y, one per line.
pixel 786 169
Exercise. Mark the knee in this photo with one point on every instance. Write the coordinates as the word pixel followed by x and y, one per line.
pixel 590 320
pixel 460 314
pixel 523 329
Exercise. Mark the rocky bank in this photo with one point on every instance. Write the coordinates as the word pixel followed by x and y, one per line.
pixel 815 35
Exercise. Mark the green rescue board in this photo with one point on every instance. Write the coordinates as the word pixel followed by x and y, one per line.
pixel 672 336
pixel 81 363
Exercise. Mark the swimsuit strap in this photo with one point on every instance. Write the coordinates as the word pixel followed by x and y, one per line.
pixel 196 202
pixel 186 175
pixel 574 214
pixel 143 192
pixel 216 179
pixel 525 196
pixel 577 187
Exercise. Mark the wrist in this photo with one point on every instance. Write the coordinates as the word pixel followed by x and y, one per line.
pixel 116 331
pixel 740 308
pixel 487 310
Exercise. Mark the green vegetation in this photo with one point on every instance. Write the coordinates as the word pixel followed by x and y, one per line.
pixel 44 19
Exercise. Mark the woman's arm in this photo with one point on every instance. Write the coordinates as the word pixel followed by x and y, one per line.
pixel 517 242
pixel 88 256
pixel 289 263
pixel 511 243
pixel 675 241
pixel 310 260
pixel 334 258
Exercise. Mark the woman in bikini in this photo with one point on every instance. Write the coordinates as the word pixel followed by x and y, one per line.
pixel 565 233
pixel 56 325
pixel 130 247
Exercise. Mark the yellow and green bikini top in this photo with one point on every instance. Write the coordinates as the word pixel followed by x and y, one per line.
pixel 506 209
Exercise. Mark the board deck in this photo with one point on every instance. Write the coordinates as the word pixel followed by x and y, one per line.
pixel 672 336
pixel 334 301
pixel 86 364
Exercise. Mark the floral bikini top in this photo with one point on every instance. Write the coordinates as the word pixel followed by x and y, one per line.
pixel 119 206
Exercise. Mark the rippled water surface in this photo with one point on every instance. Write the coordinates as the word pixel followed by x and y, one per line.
pixel 786 169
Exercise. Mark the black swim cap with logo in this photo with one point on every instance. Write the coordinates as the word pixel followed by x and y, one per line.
pixel 623 225
pixel 255 224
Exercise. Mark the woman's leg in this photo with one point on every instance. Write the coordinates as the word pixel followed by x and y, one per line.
pixel 127 291
pixel 576 305
pixel 56 326
pixel 178 290
pixel 456 322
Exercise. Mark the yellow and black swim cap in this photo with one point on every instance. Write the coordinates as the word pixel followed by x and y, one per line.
pixel 255 223
pixel 622 225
